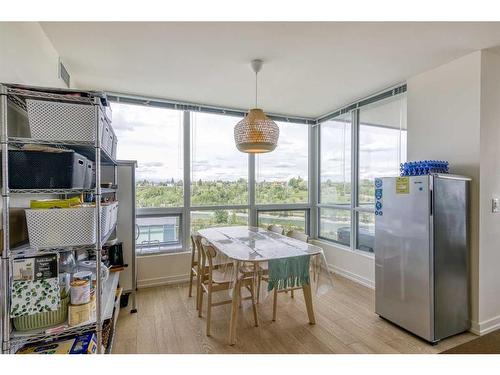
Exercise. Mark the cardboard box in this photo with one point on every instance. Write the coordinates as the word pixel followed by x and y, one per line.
pixel 83 344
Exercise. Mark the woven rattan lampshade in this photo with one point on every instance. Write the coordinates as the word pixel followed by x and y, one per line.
pixel 256 133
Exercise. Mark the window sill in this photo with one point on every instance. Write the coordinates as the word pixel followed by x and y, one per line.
pixel 165 250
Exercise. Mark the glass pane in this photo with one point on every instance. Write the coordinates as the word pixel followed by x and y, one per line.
pixel 289 220
pixel 335 161
pixel 157 233
pixel 281 175
pixel 335 224
pixel 366 231
pixel 217 218
pixel 153 137
pixel 382 144
pixel 219 174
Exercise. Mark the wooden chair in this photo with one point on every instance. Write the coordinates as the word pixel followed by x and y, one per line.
pixel 196 253
pixel 265 274
pixel 298 235
pixel 214 280
pixel 276 229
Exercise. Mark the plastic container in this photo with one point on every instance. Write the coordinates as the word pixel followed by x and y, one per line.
pixel 57 121
pixel 89 181
pixel 46 170
pixel 48 228
pixel 115 147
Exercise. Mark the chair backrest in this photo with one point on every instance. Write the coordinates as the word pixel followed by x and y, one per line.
pixel 196 247
pixel 298 235
pixel 276 229
pixel 209 253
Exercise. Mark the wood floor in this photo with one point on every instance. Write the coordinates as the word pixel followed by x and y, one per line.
pixel 167 322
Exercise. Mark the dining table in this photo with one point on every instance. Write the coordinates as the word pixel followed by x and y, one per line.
pixel 247 244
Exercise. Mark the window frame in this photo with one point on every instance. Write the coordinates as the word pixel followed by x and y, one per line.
pixel 346 207
pixel 184 211
pixel 160 212
pixel 312 206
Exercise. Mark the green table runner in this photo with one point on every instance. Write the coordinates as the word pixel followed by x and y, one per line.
pixel 288 272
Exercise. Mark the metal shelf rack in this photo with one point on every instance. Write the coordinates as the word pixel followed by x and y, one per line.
pixel 17 95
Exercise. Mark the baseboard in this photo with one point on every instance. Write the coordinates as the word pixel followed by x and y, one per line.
pixel 178 279
pixel 482 328
pixel 352 276
pixel 165 280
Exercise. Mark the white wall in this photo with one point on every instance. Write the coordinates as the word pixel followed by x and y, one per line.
pixel 489 254
pixel 353 265
pixel 443 124
pixel 454 114
pixel 27 56
pixel 162 269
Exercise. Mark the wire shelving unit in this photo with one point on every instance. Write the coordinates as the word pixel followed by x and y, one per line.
pixel 17 95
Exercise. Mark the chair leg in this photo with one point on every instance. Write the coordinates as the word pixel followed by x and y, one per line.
pixel 191 282
pixel 291 293
pixel 209 310
pixel 200 299
pixel 259 282
pixel 198 290
pixel 275 302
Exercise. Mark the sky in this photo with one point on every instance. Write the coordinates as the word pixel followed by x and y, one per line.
pixel 153 137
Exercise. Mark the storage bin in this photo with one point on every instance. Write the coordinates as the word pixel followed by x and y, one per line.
pixel 44 319
pixel 106 138
pixel 111 139
pixel 89 182
pixel 56 121
pixel 109 216
pixel 46 170
pixel 115 147
pixel 48 228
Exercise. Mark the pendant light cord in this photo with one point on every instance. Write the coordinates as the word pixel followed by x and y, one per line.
pixel 256 87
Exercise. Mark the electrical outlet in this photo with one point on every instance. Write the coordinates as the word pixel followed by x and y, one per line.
pixel 495 205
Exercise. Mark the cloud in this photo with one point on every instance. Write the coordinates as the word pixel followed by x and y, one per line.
pixel 151 164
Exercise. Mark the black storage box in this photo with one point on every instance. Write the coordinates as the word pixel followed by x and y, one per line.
pixel 46 170
pixel 89 182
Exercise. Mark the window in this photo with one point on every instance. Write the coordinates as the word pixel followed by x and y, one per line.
pixel 219 172
pixel 201 219
pixel 288 219
pixel 335 180
pixel 282 175
pixel 335 225
pixel 378 133
pixel 382 144
pixel 382 148
pixel 335 161
pixel 157 233
pixel 153 137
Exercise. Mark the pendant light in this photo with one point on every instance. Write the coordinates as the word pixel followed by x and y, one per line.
pixel 256 133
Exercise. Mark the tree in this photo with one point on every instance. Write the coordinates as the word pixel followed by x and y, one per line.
pixel 221 216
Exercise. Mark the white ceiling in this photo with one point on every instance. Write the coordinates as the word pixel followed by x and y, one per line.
pixel 310 68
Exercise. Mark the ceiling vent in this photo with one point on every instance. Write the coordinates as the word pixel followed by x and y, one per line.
pixel 63 74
